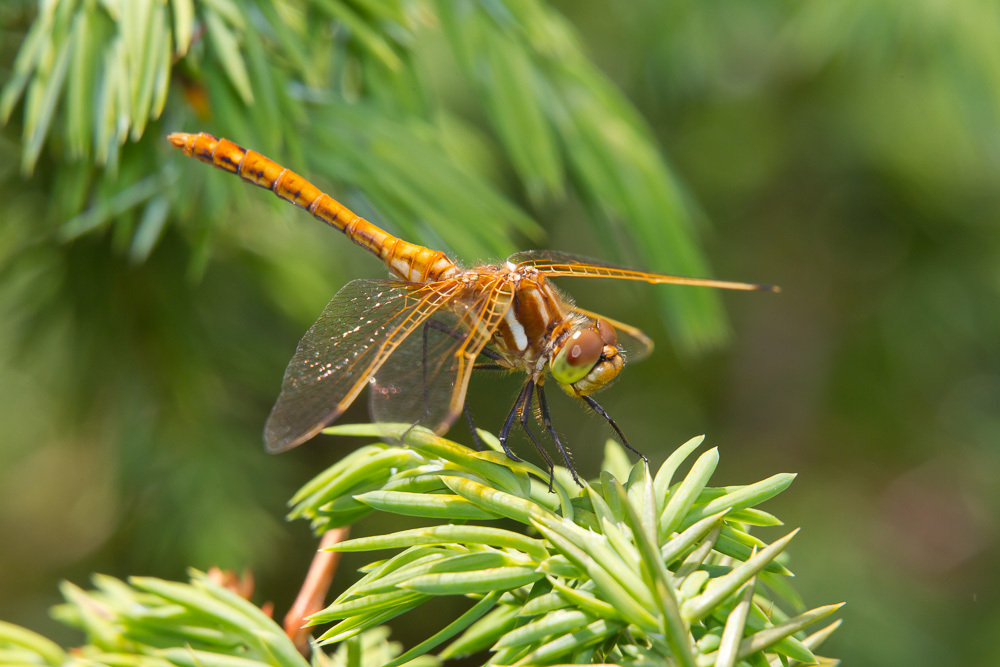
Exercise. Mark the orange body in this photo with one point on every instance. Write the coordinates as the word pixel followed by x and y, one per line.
pixel 407 261
pixel 416 341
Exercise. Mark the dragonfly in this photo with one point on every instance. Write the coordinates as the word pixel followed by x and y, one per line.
pixel 416 339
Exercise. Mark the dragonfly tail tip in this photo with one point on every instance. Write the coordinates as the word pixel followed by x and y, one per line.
pixel 179 139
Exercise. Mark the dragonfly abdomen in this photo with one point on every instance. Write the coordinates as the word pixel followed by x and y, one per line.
pixel 408 261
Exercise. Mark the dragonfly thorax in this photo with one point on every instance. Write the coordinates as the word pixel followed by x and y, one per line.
pixel 543 331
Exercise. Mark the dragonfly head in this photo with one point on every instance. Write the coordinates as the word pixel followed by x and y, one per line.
pixel 587 359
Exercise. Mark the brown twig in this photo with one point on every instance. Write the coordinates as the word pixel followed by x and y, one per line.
pixel 314 589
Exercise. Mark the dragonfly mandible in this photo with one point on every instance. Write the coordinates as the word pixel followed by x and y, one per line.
pixel 415 340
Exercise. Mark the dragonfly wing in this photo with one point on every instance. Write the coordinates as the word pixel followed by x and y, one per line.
pixel 361 327
pixel 554 264
pixel 425 380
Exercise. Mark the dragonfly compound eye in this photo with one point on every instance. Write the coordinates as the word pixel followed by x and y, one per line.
pixel 607 332
pixel 577 356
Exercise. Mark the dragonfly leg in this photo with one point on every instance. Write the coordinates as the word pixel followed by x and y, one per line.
pixel 444 328
pixel 509 423
pixel 458 335
pixel 490 367
pixel 596 407
pixel 525 412
pixel 543 406
pixel 423 371
pixel 472 427
pixel 440 326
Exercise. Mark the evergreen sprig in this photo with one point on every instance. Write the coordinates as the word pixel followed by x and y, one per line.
pixel 150 622
pixel 633 569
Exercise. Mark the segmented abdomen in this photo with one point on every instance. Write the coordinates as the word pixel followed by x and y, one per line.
pixel 406 260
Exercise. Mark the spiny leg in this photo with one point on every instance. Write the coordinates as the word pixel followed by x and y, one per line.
pixel 525 411
pixel 472 428
pixel 543 406
pixel 457 335
pixel 490 367
pixel 596 407
pixel 423 372
pixel 425 390
pixel 465 408
pixel 509 422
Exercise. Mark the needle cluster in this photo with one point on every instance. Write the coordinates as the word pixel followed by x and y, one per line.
pixel 632 569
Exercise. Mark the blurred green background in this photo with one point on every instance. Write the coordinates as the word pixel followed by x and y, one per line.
pixel 848 151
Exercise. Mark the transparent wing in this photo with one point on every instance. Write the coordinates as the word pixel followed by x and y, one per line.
pixel 637 345
pixel 361 327
pixel 559 264
pixel 425 380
